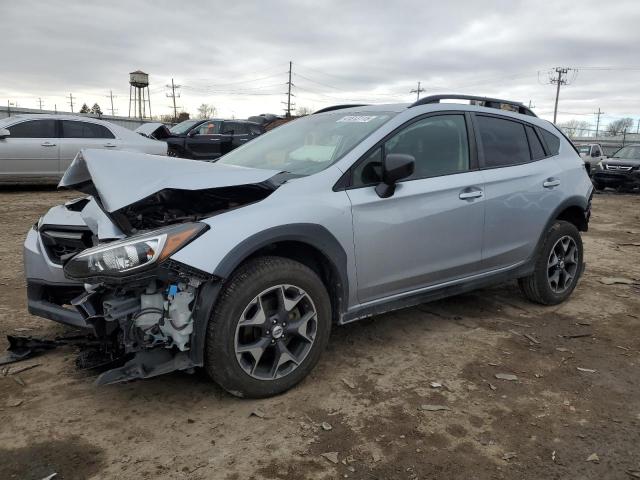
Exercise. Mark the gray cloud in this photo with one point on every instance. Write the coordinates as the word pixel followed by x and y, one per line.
pixel 342 50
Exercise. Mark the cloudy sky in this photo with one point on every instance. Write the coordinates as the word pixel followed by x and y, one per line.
pixel 235 55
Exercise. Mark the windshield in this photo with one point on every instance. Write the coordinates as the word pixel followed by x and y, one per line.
pixel 183 127
pixel 309 144
pixel 584 148
pixel 628 153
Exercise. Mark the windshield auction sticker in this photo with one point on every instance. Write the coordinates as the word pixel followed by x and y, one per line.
pixel 357 119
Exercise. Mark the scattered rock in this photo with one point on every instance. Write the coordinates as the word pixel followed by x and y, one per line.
pixel 593 458
pixel 507 376
pixel 376 457
pixel 19 381
pixel 50 477
pixel 331 456
pixel 326 426
pixel 563 349
pixel 349 383
pixel 492 386
pixel 531 338
pixel 617 280
pixel 587 370
pixel 433 408
pixel 190 420
pixel 553 456
pixel 435 385
pixel 509 455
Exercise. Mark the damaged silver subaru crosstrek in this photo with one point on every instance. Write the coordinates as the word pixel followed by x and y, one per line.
pixel 242 266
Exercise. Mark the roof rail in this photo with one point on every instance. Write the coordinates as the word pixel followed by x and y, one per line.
pixel 339 107
pixel 486 102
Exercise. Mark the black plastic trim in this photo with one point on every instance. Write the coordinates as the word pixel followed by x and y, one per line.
pixel 340 107
pixel 37 305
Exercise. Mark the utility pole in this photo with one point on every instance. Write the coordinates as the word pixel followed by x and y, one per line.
pixel 531 105
pixel 71 102
pixel 638 128
pixel 40 102
pixel 598 113
pixel 172 95
pixel 417 91
pixel 113 112
pixel 8 108
pixel 559 81
pixel 289 94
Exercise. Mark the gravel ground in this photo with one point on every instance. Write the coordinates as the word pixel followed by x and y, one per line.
pixel 360 414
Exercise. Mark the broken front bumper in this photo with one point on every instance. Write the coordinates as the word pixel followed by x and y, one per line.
pixel 48 290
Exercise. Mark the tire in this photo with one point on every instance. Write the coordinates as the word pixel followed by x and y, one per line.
pixel 235 326
pixel 539 287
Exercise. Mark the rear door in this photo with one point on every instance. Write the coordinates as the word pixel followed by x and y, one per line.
pixel 77 134
pixel 429 231
pixel 522 179
pixel 31 151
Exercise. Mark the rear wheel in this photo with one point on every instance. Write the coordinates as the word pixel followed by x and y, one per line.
pixel 268 329
pixel 558 266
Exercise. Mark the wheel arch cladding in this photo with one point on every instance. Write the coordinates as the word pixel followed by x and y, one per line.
pixel 310 244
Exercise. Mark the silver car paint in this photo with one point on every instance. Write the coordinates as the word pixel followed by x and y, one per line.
pixel 455 255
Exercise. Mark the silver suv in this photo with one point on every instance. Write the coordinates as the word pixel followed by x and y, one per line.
pixel 243 266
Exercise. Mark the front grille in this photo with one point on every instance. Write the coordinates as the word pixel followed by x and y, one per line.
pixel 61 245
pixel 619 168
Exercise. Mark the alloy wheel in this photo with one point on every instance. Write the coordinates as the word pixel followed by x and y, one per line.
pixel 275 332
pixel 562 265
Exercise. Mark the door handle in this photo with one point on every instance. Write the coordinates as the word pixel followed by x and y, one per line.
pixel 469 194
pixel 48 144
pixel 551 182
pixel 110 145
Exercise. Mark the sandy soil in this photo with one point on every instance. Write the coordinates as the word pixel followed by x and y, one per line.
pixel 368 389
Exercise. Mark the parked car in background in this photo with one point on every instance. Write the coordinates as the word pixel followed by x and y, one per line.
pixel 244 265
pixel 208 139
pixel 39 148
pixel 591 153
pixel 621 170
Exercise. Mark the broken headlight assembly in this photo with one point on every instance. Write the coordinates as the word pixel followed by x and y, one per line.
pixel 134 254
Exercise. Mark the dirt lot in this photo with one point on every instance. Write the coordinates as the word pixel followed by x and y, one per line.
pixel 368 389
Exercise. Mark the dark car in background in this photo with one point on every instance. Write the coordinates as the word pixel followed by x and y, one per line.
pixel 621 170
pixel 209 139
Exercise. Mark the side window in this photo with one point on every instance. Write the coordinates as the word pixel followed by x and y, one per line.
pixel 241 129
pixel 596 151
pixel 553 142
pixel 34 129
pixel 255 130
pixel 229 127
pixel 208 128
pixel 537 152
pixel 504 142
pixel 439 145
pixel 73 129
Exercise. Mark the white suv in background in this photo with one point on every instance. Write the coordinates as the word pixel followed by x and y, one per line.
pixel 39 148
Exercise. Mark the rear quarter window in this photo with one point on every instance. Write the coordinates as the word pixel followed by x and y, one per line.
pixel 504 142
pixel 552 141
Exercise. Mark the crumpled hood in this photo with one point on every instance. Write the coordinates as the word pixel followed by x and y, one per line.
pixel 155 130
pixel 120 178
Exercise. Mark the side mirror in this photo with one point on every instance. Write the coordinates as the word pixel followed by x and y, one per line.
pixel 395 167
pixel 4 133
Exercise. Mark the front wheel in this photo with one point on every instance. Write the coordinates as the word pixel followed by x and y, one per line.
pixel 558 266
pixel 268 329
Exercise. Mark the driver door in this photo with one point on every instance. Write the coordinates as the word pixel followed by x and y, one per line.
pixel 429 231
pixel 205 141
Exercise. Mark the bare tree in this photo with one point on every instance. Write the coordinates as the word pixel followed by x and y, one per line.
pixel 574 128
pixel 206 111
pixel 618 126
pixel 302 111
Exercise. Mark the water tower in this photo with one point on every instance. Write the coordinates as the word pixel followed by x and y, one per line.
pixel 138 81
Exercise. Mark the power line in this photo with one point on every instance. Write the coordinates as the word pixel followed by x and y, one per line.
pixel 417 91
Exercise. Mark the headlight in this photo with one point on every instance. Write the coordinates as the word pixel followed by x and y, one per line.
pixel 133 254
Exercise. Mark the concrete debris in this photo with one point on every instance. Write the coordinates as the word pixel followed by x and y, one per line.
pixel 435 385
pixel 326 426
pixel 331 456
pixel 433 408
pixel 349 383
pixel 507 376
pixel 587 370
pixel 509 455
pixel 593 458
